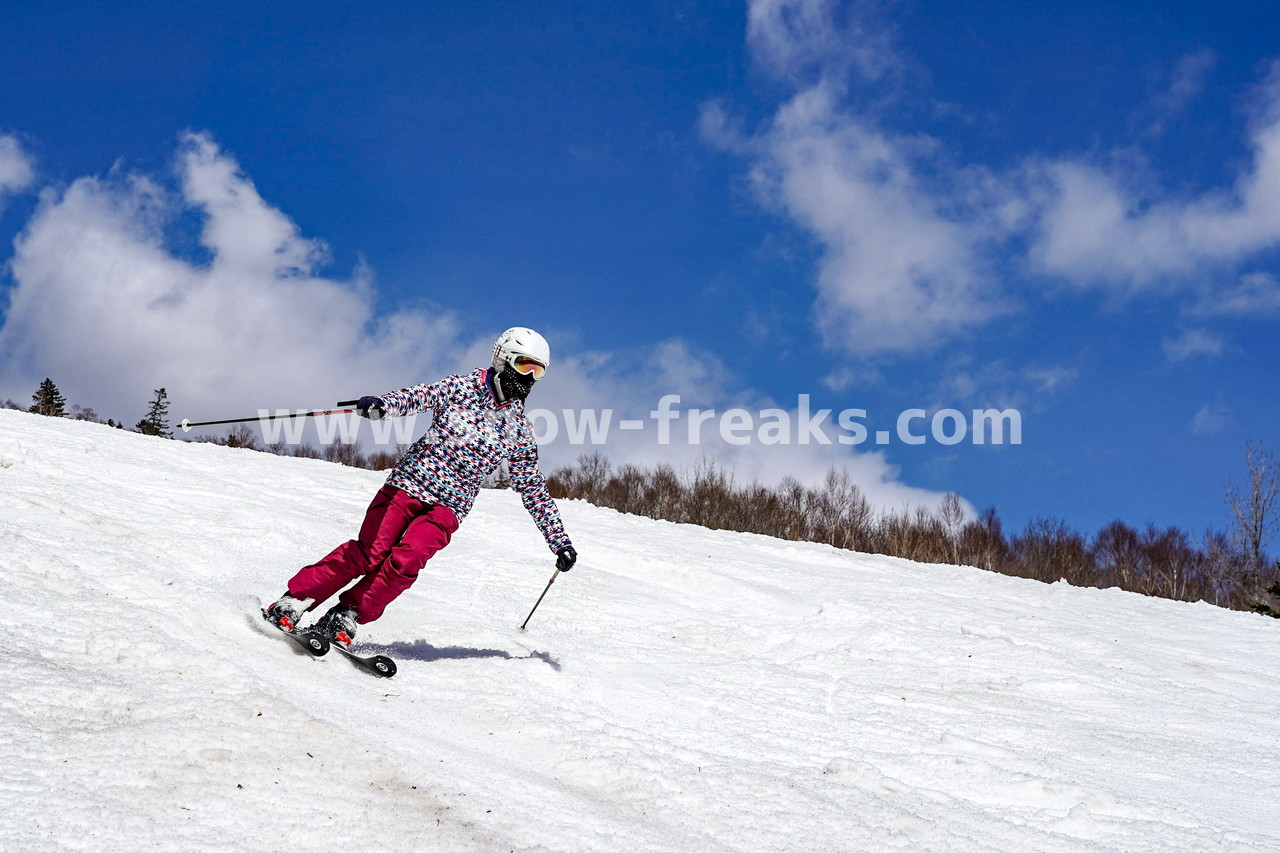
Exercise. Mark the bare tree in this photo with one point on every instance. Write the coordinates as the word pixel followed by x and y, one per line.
pixel 1224 566
pixel 1118 555
pixel 241 436
pixel 952 514
pixel 1048 550
pixel 983 543
pixel 1152 561
pixel 344 454
pixel 1255 516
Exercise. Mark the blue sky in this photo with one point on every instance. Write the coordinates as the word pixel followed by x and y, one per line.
pixel 1073 209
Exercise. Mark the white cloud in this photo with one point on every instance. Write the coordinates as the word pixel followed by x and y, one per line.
pixel 1000 385
pixel 1255 295
pixel 916 248
pixel 847 376
pixel 1093 230
pixel 17 169
pixel 1210 418
pixel 1089 233
pixel 103 302
pixel 905 238
pixel 1049 379
pixel 823 38
pixel 903 265
pixel 899 271
pixel 1192 343
pixel 1186 83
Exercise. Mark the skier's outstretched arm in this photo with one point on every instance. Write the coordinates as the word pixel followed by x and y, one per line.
pixel 527 479
pixel 407 401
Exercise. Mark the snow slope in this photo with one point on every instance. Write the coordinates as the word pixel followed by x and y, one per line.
pixel 681 690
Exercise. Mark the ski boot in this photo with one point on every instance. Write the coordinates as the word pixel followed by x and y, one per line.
pixel 337 626
pixel 286 613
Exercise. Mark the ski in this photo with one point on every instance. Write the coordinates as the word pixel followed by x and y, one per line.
pixel 317 645
pixel 379 665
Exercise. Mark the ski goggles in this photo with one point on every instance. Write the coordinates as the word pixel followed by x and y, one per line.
pixel 529 366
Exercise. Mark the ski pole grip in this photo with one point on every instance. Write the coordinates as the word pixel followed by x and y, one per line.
pixel 347 402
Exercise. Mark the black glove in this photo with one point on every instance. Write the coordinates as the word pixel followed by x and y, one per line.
pixel 565 558
pixel 371 407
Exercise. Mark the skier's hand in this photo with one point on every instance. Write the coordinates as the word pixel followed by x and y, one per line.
pixel 371 407
pixel 565 558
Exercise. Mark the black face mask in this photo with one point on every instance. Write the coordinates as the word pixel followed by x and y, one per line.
pixel 514 385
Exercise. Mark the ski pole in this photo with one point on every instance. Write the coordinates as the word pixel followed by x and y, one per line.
pixel 539 601
pixel 187 425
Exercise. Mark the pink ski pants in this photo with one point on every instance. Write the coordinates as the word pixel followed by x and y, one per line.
pixel 399 534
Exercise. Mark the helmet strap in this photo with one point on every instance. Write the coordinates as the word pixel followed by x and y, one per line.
pixel 495 386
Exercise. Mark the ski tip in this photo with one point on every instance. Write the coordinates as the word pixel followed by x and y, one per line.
pixel 379 665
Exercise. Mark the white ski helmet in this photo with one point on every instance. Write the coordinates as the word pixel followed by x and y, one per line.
pixel 520 358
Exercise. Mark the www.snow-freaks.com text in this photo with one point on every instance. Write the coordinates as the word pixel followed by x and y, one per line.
pixel 670 424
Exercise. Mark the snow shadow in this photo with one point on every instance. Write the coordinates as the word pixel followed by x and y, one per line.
pixel 423 651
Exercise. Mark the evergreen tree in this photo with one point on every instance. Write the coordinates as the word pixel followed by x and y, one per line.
pixel 1265 607
pixel 157 420
pixel 48 400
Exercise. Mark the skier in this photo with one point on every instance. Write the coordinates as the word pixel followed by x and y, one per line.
pixel 478 421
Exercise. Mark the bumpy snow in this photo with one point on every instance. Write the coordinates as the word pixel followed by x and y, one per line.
pixel 680 690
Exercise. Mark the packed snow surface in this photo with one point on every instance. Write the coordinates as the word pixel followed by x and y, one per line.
pixel 681 689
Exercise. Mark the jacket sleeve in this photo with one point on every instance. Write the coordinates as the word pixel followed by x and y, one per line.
pixel 532 486
pixel 418 398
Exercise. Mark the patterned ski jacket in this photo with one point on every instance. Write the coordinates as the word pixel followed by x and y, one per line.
pixel 471 434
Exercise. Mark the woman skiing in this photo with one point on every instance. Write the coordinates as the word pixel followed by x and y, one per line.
pixel 478 422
